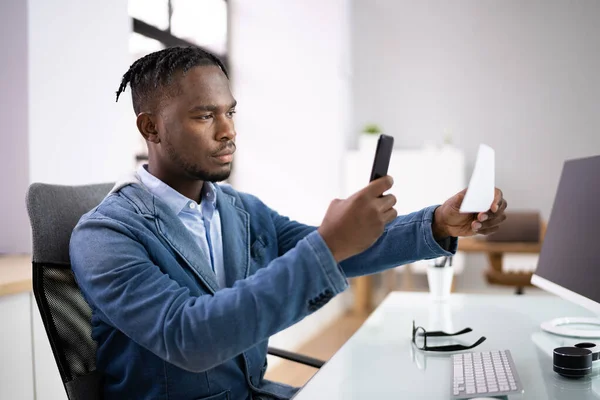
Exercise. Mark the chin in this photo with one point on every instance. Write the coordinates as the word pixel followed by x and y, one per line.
pixel 218 176
pixel 208 173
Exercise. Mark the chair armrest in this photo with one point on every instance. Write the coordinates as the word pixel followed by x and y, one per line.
pixel 299 358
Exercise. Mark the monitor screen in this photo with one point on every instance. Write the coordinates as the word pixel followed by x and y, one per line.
pixel 569 263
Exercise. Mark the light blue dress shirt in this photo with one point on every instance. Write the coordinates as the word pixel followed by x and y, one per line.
pixel 202 220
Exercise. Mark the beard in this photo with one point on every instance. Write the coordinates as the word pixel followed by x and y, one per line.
pixel 194 170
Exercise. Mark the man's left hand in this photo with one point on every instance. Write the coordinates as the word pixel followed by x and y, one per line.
pixel 449 221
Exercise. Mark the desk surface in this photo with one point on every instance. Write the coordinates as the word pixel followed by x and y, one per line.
pixel 379 361
pixel 15 274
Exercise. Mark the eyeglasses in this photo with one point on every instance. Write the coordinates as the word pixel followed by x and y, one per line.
pixel 420 335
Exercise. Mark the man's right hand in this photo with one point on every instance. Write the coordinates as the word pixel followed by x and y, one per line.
pixel 352 225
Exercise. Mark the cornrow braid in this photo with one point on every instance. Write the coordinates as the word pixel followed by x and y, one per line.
pixel 155 71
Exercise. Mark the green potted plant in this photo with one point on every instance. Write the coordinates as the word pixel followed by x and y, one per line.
pixel 369 136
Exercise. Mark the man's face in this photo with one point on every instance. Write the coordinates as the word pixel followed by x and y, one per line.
pixel 196 126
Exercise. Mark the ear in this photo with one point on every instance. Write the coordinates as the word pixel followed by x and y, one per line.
pixel 146 124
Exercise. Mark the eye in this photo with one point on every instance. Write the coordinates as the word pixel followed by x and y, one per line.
pixel 203 117
pixel 230 113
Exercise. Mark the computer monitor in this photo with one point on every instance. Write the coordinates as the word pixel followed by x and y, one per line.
pixel 569 262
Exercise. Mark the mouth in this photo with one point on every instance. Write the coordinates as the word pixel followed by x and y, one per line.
pixel 225 156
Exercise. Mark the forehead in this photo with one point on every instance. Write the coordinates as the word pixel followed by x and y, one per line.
pixel 204 85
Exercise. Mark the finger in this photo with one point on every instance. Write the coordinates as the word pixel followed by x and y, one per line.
pixel 488 231
pixel 503 205
pixel 495 221
pixel 384 203
pixel 390 215
pixel 497 200
pixel 484 216
pixel 458 198
pixel 377 187
pixel 476 226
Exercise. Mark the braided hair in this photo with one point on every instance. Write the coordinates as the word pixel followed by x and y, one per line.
pixel 150 77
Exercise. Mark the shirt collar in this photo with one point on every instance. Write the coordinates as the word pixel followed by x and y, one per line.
pixel 174 200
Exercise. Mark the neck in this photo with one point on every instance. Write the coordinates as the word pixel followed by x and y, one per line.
pixel 190 188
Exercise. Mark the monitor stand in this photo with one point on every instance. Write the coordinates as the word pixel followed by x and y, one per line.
pixel 579 327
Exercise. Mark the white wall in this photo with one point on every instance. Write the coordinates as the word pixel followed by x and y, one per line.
pixel 78 52
pixel 521 76
pixel 14 160
pixel 290 64
pixel 290 76
pixel 62 63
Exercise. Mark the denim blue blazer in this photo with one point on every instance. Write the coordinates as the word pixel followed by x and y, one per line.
pixel 166 330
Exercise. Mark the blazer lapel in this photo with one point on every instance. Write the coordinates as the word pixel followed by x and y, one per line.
pixel 235 225
pixel 177 235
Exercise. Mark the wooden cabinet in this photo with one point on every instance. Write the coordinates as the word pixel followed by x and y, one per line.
pixel 27 367
pixel 48 385
pixel 16 353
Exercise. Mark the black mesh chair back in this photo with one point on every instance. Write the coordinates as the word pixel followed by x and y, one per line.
pixel 54 210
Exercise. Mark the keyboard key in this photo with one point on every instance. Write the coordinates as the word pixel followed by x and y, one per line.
pixel 483 373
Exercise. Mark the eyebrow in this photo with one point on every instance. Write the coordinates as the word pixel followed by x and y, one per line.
pixel 210 107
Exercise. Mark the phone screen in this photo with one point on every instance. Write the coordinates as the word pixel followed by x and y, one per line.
pixel 383 154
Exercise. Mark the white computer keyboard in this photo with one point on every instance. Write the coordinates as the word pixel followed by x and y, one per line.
pixel 485 373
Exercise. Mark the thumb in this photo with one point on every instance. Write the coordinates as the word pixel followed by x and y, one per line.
pixel 458 199
pixel 377 187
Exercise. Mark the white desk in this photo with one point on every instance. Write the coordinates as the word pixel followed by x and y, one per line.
pixel 379 361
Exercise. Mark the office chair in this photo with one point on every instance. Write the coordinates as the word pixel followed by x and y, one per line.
pixel 54 210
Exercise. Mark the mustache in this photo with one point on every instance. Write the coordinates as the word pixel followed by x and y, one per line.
pixel 228 147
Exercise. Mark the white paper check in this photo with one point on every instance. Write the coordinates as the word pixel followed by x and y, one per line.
pixel 480 193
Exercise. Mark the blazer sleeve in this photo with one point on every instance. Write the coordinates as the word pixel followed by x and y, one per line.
pixel 406 239
pixel 196 333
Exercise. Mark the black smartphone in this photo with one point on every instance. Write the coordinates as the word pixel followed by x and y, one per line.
pixel 383 154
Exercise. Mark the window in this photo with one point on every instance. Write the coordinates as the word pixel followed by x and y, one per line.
pixel 158 24
pixel 140 45
pixel 201 22
pixel 153 12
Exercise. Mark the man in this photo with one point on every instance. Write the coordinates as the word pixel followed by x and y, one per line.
pixel 187 279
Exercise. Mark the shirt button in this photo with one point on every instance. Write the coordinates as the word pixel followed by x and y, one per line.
pixel 192 205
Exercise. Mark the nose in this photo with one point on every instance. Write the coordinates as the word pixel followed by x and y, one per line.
pixel 225 130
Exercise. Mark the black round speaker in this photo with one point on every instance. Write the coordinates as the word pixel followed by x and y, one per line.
pixel 572 362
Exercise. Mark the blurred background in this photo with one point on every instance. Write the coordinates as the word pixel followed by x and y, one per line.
pixel 316 82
